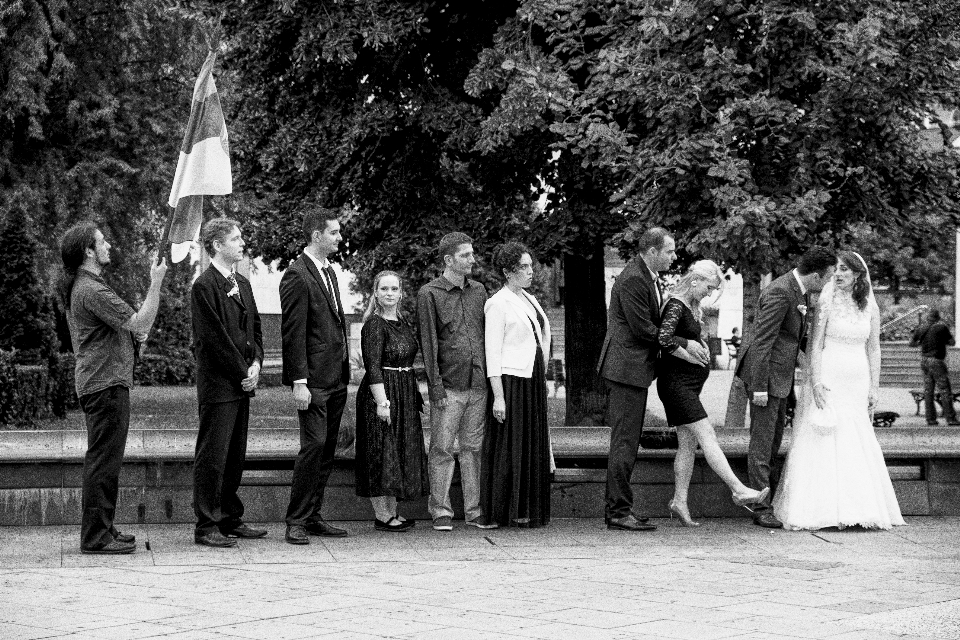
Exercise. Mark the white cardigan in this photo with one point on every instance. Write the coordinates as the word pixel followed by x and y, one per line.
pixel 509 340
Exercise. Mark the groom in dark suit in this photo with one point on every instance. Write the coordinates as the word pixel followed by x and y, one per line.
pixel 317 367
pixel 627 362
pixel 767 364
pixel 228 345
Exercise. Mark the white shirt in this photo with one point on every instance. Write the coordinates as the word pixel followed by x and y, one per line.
pixel 796 275
pixel 224 272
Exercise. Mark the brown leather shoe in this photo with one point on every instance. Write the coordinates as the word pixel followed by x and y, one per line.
pixel 629 523
pixel 767 519
pixel 214 539
pixel 321 528
pixel 296 534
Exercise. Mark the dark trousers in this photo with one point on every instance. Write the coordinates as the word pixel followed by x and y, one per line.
pixel 766 434
pixel 625 413
pixel 935 375
pixel 107 414
pixel 218 465
pixel 319 427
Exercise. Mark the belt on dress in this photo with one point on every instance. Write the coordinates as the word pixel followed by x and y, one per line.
pixel 397 368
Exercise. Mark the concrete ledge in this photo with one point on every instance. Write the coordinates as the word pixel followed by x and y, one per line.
pixel 568 443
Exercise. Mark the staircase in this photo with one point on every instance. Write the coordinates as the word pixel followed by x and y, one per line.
pixel 900 366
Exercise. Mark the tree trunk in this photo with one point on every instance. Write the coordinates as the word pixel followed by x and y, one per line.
pixel 751 296
pixel 585 318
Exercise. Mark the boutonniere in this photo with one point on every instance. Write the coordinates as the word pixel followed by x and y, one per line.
pixel 802 308
pixel 235 291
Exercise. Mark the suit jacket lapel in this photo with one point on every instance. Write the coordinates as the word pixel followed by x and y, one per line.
pixel 318 277
pixel 654 289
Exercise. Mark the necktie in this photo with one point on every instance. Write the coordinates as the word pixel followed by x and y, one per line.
pixel 331 288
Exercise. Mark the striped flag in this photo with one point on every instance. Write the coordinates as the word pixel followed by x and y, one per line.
pixel 204 164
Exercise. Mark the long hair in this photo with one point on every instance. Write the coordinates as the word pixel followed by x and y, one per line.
pixel 73 251
pixel 861 288
pixel 700 270
pixel 373 307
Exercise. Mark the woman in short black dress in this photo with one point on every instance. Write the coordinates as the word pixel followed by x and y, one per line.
pixel 683 371
pixel 391 463
pixel 516 459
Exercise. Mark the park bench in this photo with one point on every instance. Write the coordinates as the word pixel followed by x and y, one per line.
pixel 919 395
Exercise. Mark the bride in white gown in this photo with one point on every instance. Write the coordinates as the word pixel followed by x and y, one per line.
pixel 835 475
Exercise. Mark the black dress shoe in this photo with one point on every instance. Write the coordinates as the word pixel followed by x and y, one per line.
pixel 767 519
pixel 112 548
pixel 243 531
pixel 296 534
pixel 213 539
pixel 629 523
pixel 321 528
pixel 393 524
pixel 125 538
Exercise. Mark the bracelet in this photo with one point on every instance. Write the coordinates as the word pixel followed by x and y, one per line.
pixel 385 404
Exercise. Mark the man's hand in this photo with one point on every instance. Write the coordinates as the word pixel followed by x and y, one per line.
pixel 253 377
pixel 440 403
pixel 301 396
pixel 760 398
pixel 820 392
pixel 158 269
pixel 698 351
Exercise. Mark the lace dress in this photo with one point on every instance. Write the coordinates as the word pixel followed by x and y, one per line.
pixel 836 476
pixel 391 459
pixel 679 382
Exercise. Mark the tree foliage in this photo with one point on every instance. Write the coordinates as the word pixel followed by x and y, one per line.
pixel 753 129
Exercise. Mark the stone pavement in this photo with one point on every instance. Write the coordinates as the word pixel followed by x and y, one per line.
pixel 572 579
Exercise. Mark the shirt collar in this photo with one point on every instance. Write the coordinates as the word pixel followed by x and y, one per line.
pixel 90 274
pixel 321 264
pixel 803 289
pixel 224 272
pixel 448 285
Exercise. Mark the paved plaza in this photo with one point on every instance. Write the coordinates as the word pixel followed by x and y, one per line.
pixel 573 579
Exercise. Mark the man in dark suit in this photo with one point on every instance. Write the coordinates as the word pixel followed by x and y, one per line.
pixel 228 345
pixel 627 362
pixel 767 364
pixel 317 366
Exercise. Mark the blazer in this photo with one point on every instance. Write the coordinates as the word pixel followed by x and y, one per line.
pixel 509 341
pixel 227 336
pixel 769 361
pixel 312 329
pixel 630 348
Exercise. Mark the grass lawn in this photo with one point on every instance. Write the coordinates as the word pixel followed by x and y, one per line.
pixel 176 408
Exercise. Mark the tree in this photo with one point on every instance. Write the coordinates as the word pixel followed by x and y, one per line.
pixel 91 115
pixel 25 320
pixel 752 129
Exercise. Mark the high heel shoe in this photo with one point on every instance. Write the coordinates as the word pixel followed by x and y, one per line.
pixel 682 514
pixel 748 500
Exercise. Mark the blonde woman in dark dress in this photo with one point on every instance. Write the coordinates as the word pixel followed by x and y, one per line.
pixel 681 379
pixel 391 462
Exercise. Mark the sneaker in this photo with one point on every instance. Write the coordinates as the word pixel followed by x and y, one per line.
pixel 443 523
pixel 479 524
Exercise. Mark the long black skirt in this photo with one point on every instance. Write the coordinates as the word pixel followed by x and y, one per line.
pixel 515 472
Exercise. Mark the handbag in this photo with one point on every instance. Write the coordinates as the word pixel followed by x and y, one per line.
pixel 823 421
pixel 664 437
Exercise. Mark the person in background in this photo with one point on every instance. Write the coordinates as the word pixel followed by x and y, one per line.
pixel 735 339
pixel 681 379
pixel 104 330
pixel 933 337
pixel 228 345
pixel 450 310
pixel 391 460
pixel 517 462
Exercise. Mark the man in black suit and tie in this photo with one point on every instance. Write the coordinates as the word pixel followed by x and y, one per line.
pixel 767 365
pixel 228 345
pixel 316 365
pixel 628 364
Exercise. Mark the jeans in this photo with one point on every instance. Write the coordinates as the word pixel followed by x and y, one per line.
pixel 107 414
pixel 935 375
pixel 462 419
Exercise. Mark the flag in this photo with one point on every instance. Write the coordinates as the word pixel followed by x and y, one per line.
pixel 204 164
